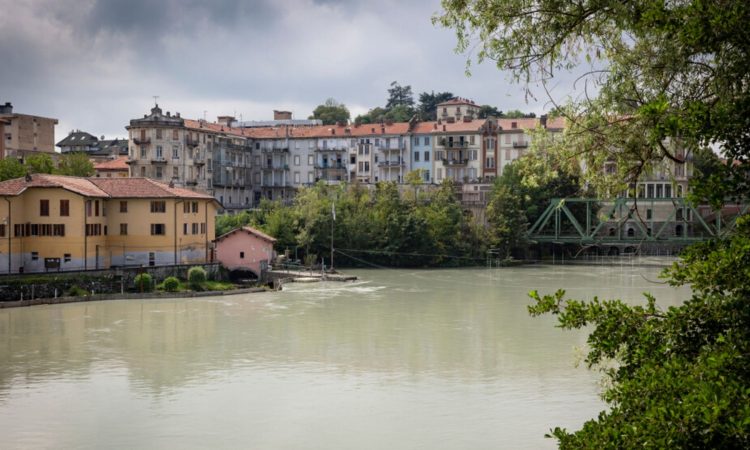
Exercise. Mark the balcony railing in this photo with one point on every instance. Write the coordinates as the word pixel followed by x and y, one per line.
pixel 199 162
pixel 191 142
pixel 142 141
pixel 385 149
pixel 275 150
pixel 275 167
pixel 454 144
pixel 390 163
pixel 455 162
pixel 158 160
pixel 331 149
pixel 330 166
pixel 520 144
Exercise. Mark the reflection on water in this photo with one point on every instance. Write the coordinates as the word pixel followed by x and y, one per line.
pixel 399 359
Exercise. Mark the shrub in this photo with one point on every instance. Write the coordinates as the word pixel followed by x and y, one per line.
pixel 196 277
pixel 143 282
pixel 171 284
pixel 77 291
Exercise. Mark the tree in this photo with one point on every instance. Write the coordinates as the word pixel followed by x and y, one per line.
pixel 518 114
pixel 331 112
pixel 76 164
pixel 675 79
pixel 428 103
pixel 486 111
pixel 11 168
pixel 399 96
pixel 40 163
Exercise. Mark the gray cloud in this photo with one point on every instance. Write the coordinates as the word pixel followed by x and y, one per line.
pixel 95 64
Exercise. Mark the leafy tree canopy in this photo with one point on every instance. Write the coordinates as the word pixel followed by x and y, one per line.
pixel 76 164
pixel 11 168
pixel 331 112
pixel 428 103
pixel 40 163
pixel 486 111
pixel 399 96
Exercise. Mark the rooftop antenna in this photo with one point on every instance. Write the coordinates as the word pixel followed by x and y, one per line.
pixel 156 97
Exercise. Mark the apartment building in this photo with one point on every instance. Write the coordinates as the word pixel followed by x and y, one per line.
pixel 24 134
pixel 98 149
pixel 514 138
pixel 193 154
pixel 421 150
pixel 57 223
pixel 457 109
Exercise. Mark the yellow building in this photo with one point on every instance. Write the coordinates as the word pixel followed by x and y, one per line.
pixel 52 222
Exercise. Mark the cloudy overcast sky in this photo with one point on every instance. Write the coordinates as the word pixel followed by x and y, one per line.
pixel 95 64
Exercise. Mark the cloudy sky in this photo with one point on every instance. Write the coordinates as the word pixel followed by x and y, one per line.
pixel 95 64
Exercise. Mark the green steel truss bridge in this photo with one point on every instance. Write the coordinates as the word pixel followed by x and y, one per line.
pixel 624 222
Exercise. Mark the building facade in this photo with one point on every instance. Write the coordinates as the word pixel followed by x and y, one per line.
pixel 24 134
pixel 58 223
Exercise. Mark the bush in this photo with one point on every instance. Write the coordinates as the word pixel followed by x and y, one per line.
pixel 196 277
pixel 77 291
pixel 171 284
pixel 143 282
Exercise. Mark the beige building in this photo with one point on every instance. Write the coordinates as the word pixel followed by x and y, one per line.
pixel 24 134
pixel 57 223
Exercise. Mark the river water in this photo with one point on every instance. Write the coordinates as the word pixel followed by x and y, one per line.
pixel 401 359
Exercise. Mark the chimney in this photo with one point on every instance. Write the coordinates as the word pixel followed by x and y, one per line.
pixel 7 108
pixel 225 120
pixel 282 115
pixel 543 120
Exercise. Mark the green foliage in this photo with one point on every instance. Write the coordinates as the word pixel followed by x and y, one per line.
pixel 143 282
pixel 399 96
pixel 197 277
pixel 486 111
pixel 40 163
pixel 428 104
pixel 331 112
pixel 674 82
pixel 11 168
pixel 171 284
pixel 77 291
pixel 76 164
pixel 517 114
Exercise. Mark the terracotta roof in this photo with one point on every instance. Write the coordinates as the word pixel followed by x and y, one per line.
pixel 250 230
pixel 458 126
pixel 458 101
pixel 201 125
pixel 143 188
pixel 78 185
pixel 100 187
pixel 115 164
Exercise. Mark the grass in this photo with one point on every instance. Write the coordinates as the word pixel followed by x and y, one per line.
pixel 208 285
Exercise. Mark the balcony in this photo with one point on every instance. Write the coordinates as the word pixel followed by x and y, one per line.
pixel 145 141
pixel 199 162
pixel 330 166
pixel 520 144
pixel 158 160
pixel 191 183
pixel 131 161
pixel 453 144
pixel 455 162
pixel 390 164
pixel 334 149
pixel 392 149
pixel 278 150
pixel 275 167
pixel 191 142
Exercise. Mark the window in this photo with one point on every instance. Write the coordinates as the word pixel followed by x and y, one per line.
pixel 310 160
pixel 123 207
pixel 426 156
pixel 158 229
pixel 186 207
pixel 143 171
pixel 659 190
pixel 66 257
pixel 96 208
pixel 123 229
pixel 668 191
pixel 158 172
pixel 93 229
pixel 203 227
pixel 296 177
pixel 65 208
pixel 158 206
pixel 426 140
pixel 195 228
pixel 152 256
pixel 195 207
pixel 416 156
pixel 184 228
pixel 367 166
pixel 144 153
pixel 159 152
pixel 34 256
pixel 2 230
pixel 296 160
pixel 44 207
pixel 175 136
pixel 242 255
pixel 309 177
pixel 471 139
pixel 175 152
pixel 650 191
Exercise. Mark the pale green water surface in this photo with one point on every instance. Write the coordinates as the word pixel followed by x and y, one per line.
pixel 402 359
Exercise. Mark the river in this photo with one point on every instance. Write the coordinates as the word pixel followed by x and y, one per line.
pixel 401 359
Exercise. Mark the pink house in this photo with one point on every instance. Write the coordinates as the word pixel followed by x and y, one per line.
pixel 245 249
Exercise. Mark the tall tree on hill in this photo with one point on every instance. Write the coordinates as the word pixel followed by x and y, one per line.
pixel 428 102
pixel 486 111
pixel 331 112
pixel 672 72
pixel 399 96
